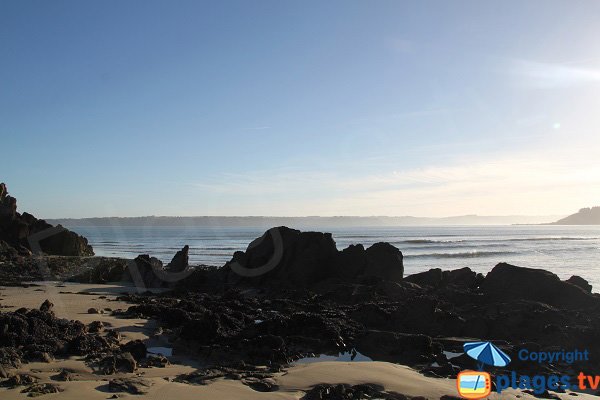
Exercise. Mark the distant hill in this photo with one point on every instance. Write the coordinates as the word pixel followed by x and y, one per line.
pixel 303 222
pixel 585 216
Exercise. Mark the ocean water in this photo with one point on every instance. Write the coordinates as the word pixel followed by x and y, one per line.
pixel 564 250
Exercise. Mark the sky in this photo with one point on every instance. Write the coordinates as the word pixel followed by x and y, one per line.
pixel 293 108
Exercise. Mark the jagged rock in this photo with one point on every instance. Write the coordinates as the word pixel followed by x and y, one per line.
pixel 509 282
pixel 133 385
pixel 18 229
pixel 46 306
pixel 582 283
pixel 180 261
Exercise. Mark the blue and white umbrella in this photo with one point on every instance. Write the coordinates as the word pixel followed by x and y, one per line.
pixel 486 353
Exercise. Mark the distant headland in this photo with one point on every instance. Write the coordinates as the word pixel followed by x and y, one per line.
pixel 585 216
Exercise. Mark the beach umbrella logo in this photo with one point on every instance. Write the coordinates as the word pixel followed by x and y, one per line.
pixel 486 353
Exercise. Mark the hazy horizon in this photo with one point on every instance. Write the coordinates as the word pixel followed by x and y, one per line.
pixel 277 108
pixel 312 222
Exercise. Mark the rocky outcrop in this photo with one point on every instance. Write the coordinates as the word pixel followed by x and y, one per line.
pixel 180 261
pixel 582 283
pixel 293 258
pixel 435 277
pixel 24 231
pixel 507 282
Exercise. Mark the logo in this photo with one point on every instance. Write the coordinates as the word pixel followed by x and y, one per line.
pixel 474 384
pixel 478 384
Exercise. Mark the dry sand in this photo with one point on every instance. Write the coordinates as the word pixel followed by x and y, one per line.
pixel 69 302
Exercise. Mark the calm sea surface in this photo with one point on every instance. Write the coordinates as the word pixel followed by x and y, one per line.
pixel 564 250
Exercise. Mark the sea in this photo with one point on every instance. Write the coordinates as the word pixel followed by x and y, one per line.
pixel 564 250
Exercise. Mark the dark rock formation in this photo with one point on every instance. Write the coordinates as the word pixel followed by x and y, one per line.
pixel 347 392
pixel 180 261
pixel 463 277
pixel 292 258
pixel 37 335
pixel 26 231
pixel 147 271
pixel 507 282
pixel 582 283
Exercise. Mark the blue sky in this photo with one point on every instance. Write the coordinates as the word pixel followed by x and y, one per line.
pixel 428 108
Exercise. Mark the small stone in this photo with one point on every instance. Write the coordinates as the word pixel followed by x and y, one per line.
pixel 93 311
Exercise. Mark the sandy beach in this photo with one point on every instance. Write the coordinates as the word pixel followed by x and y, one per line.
pixel 72 301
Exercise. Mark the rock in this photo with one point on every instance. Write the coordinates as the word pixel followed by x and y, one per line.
pixel 147 271
pixel 401 348
pixel 95 326
pixel 46 306
pixel 582 283
pixel 9 356
pixel 39 389
pixel 291 258
pixel 156 360
pixel 347 392
pixel 64 375
pixel 179 263
pixel 105 270
pixel 507 282
pixel 16 230
pixel 432 278
pixel 93 310
pixel 261 385
pixel 133 385
pixel 118 363
pixel 19 380
pixel 3 372
pixel 436 278
pixel 384 261
pixel 136 348
pixel 84 345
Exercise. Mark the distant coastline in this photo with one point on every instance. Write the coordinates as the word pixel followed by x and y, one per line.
pixel 310 221
pixel 585 216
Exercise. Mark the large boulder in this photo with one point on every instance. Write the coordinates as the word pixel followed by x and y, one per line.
pixel 507 282
pixel 293 258
pixel 21 230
